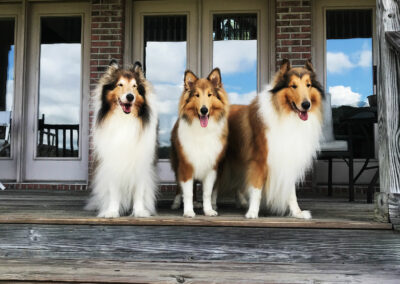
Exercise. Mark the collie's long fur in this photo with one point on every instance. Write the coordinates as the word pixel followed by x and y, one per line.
pixel 199 138
pixel 124 141
pixel 272 143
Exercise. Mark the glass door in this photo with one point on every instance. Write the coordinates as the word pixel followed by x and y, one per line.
pixel 235 36
pixel 9 26
pixel 57 126
pixel 171 36
pixel 165 41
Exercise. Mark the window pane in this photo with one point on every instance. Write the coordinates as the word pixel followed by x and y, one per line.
pixel 6 83
pixel 235 53
pixel 59 87
pixel 350 76
pixel 165 64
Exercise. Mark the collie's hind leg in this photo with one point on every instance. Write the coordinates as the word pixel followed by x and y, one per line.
pixel 109 207
pixel 187 190
pixel 294 208
pixel 241 200
pixel 176 204
pixel 214 197
pixel 208 185
pixel 254 202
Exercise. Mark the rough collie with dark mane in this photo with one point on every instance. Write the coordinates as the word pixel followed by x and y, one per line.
pixel 273 141
pixel 198 139
pixel 125 139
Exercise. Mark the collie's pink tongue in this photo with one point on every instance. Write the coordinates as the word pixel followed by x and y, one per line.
pixel 303 115
pixel 126 108
pixel 203 120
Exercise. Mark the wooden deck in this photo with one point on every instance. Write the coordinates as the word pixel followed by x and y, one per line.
pixel 45 236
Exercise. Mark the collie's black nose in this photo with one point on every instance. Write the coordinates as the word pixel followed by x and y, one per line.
pixel 305 105
pixel 204 110
pixel 129 97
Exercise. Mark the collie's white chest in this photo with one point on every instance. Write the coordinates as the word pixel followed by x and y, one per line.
pixel 292 144
pixel 121 142
pixel 201 146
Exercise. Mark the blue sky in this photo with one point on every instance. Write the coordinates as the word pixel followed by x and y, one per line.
pixel 349 71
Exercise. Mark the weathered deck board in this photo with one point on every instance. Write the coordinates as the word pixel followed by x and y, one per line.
pixel 68 271
pixel 186 244
pixel 221 250
pixel 46 207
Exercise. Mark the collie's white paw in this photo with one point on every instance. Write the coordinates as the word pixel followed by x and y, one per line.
pixel 176 205
pixel 305 214
pixel 197 205
pixel 210 213
pixel 141 213
pixel 189 214
pixel 108 214
pixel 251 215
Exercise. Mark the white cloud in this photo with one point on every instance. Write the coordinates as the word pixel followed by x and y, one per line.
pixel 9 94
pixel 165 62
pixel 338 62
pixel 60 83
pixel 241 99
pixel 235 56
pixel 341 95
pixel 365 58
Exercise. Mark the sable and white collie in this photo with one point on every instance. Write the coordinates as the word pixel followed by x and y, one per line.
pixel 198 139
pixel 125 139
pixel 272 143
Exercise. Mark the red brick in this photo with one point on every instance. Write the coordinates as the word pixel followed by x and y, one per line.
pixel 297 36
pixel 290 29
pixel 290 42
pixel 290 16
pixel 300 22
pixel 301 49
pixel 291 55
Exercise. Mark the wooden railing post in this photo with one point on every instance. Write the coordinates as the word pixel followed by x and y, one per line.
pixel 388 90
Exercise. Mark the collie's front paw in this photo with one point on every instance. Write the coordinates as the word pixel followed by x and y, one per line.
pixel 210 213
pixel 141 213
pixel 189 214
pixel 251 215
pixel 305 214
pixel 108 214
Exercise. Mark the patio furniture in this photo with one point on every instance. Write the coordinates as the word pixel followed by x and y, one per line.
pixel 5 124
pixel 332 148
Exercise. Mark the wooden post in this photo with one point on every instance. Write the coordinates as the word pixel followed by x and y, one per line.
pixel 388 90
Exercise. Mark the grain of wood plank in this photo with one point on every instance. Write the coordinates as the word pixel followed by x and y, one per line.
pixel 176 272
pixel 187 244
pixel 48 207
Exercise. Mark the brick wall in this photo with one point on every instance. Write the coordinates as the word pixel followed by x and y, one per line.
pixel 293 31
pixel 107 29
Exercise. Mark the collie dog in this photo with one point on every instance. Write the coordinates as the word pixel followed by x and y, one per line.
pixel 198 139
pixel 272 142
pixel 125 140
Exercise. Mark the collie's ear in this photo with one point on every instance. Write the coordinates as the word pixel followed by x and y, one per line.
pixel 137 68
pixel 215 77
pixel 285 66
pixel 189 79
pixel 112 67
pixel 309 66
pixel 113 63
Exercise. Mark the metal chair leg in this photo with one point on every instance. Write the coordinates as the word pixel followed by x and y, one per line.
pixel 330 177
pixel 351 179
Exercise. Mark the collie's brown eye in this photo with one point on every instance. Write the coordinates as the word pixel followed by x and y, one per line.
pixel 197 95
pixel 209 95
pixel 294 86
pixel 119 85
